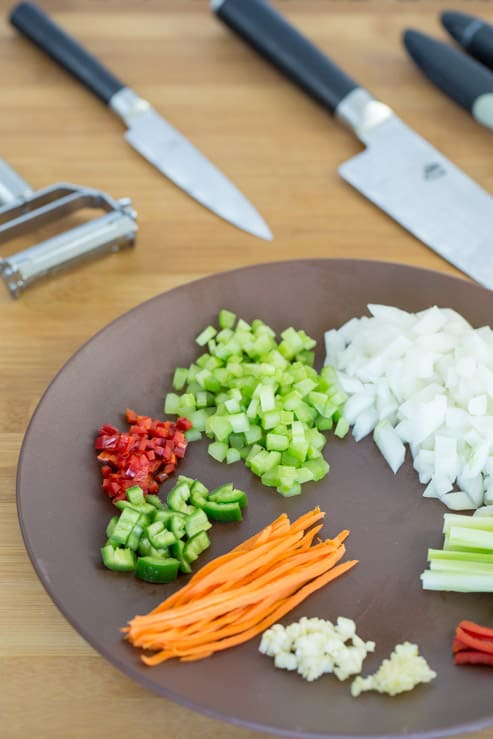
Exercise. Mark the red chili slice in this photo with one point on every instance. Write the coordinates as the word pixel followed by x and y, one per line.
pixel 145 455
pixel 484 645
pixel 476 629
pixel 473 657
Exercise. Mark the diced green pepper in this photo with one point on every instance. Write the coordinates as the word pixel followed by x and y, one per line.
pixel 223 511
pixel 178 497
pixel 135 495
pixel 177 550
pixel 156 570
pixel 111 526
pixel 134 538
pixel 197 522
pixel 124 526
pixel 195 546
pixel 233 495
pixel 118 559
pixel 159 536
pixel 176 524
pixel 156 501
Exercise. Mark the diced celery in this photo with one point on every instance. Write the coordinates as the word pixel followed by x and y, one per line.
pixel 318 467
pixel 180 378
pixel 276 442
pixel 270 419
pixel 226 319
pixel 193 435
pixel 253 435
pixel 260 400
pixel 206 335
pixel 172 404
pixel 342 427
pixel 220 426
pixel 218 450
pixel 232 455
pixel 239 422
pixel 266 397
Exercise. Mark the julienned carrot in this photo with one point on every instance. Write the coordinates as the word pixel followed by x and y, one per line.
pixel 284 607
pixel 241 593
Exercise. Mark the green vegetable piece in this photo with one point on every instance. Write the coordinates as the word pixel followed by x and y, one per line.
pixel 195 546
pixel 218 450
pixel 193 435
pixel 124 526
pixel 180 377
pixel 134 538
pixel 164 515
pixel 177 550
pixel 111 526
pixel 152 569
pixel 223 511
pixel 118 559
pixel 198 494
pixel 172 404
pixel 228 494
pixel 196 522
pixel 155 501
pixel 232 456
pixel 137 507
pixel 177 526
pixel 135 495
pixel 159 537
pixel 341 428
pixel 206 335
pixel 178 497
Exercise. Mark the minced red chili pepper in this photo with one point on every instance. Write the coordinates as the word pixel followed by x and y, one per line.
pixel 145 455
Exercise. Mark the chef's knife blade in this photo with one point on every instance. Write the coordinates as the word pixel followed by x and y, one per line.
pixel 459 76
pixel 399 171
pixel 148 132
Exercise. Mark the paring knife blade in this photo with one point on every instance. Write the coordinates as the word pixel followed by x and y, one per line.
pixel 399 171
pixel 155 139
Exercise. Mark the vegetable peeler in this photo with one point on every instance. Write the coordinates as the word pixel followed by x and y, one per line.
pixel 23 209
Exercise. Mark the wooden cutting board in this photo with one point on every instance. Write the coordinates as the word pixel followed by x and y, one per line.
pixel 282 151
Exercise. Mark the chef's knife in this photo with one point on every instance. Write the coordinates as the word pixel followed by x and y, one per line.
pixel 398 171
pixel 459 76
pixel 154 138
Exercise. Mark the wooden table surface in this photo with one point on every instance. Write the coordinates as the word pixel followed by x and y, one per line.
pixel 282 151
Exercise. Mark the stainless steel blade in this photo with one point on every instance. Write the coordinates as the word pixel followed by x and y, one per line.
pixel 173 155
pixel 421 189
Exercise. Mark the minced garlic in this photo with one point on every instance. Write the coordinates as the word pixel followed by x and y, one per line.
pixel 402 671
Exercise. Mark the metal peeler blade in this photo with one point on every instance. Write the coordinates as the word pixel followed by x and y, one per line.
pixel 23 209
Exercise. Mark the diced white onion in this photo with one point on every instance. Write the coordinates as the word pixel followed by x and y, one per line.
pixel 426 380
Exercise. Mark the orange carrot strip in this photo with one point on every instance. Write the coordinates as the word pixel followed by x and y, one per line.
pixel 216 605
pixel 287 605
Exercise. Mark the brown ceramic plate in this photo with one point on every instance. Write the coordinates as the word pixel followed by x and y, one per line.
pixel 63 513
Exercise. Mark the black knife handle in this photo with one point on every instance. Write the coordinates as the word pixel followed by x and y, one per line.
pixel 458 75
pixel 472 33
pixel 31 21
pixel 280 43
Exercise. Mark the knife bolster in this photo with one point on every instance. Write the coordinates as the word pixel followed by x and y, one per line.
pixel 361 112
pixel 128 105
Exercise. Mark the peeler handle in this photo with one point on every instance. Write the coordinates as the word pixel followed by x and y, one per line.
pixel 33 22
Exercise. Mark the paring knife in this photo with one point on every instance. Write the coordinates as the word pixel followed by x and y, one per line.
pixel 398 171
pixel 459 76
pixel 154 138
